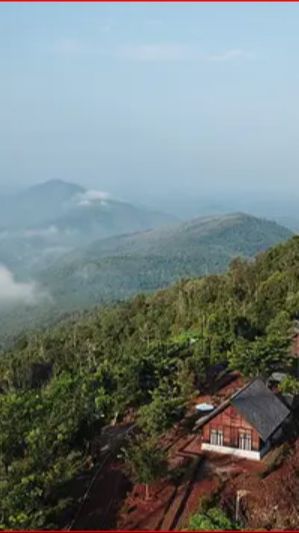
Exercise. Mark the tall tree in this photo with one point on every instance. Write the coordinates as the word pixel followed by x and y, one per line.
pixel 146 461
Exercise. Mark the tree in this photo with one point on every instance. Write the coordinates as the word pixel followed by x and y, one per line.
pixel 146 461
pixel 211 520
pixel 289 385
pixel 158 415
pixel 60 386
pixel 261 356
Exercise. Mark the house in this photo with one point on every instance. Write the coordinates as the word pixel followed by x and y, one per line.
pixel 245 424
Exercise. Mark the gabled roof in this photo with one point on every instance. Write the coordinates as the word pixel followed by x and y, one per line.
pixel 261 408
pixel 258 405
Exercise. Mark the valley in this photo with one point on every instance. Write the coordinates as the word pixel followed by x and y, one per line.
pixel 98 250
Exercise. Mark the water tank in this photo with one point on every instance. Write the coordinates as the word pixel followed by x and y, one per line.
pixel 204 407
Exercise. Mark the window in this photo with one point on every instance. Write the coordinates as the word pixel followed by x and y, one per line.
pixel 216 437
pixel 245 440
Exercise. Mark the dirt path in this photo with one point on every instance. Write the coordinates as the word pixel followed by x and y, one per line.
pixel 114 503
pixel 108 485
pixel 181 497
pixel 108 493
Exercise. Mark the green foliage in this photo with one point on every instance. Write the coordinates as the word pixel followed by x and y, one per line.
pixel 212 519
pixel 159 415
pixel 116 268
pixel 145 460
pixel 59 387
pixel 261 356
pixel 289 385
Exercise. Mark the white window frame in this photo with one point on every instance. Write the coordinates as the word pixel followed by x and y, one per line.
pixel 216 437
pixel 245 440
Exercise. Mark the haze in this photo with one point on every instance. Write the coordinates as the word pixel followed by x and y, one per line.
pixel 162 104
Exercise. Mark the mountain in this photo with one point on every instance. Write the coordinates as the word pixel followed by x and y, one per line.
pixel 43 222
pixel 119 267
pixel 108 217
pixel 37 204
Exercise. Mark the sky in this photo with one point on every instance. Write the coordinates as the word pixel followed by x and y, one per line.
pixel 151 100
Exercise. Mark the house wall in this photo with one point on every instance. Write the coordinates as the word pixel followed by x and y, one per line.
pixel 230 422
pixel 253 455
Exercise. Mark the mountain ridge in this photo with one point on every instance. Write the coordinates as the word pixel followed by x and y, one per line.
pixel 39 224
pixel 119 267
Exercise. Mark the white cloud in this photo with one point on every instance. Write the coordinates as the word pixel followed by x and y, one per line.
pixel 229 55
pixel 92 196
pixel 12 291
pixel 42 232
pixel 149 52
pixel 175 52
pixel 154 52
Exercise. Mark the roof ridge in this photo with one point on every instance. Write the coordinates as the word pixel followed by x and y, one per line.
pixel 221 406
pixel 252 380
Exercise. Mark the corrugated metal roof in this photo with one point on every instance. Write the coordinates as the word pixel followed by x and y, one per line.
pixel 260 407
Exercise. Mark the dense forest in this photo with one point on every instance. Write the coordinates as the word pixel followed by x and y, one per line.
pixel 119 267
pixel 147 356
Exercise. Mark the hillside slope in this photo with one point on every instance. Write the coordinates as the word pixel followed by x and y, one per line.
pixel 42 223
pixel 146 356
pixel 119 267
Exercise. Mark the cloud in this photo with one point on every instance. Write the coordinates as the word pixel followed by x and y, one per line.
pixel 12 291
pixel 154 52
pixel 175 52
pixel 149 52
pixel 41 232
pixel 92 196
pixel 229 55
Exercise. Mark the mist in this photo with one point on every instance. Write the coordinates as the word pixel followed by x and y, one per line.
pixel 200 104
pixel 13 291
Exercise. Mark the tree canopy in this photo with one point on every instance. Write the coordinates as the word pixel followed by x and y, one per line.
pixel 59 387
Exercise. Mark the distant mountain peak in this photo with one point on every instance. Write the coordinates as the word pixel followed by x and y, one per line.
pixel 57 184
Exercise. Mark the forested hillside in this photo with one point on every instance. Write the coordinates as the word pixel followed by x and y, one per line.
pixel 117 268
pixel 60 387
pixel 44 222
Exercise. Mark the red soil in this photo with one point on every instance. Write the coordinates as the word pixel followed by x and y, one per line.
pixel 101 509
pixel 272 500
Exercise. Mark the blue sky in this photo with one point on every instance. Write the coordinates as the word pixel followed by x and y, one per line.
pixel 143 99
